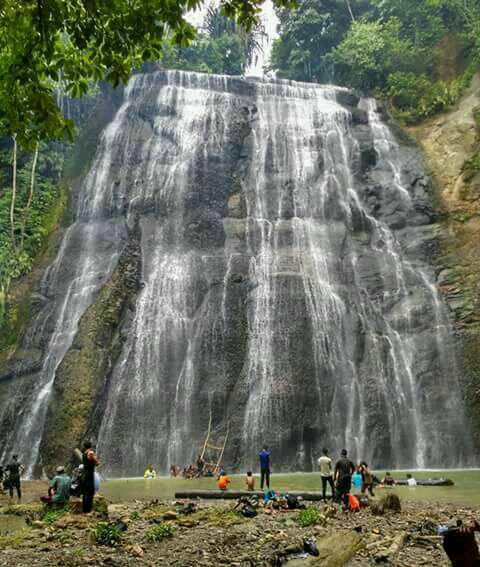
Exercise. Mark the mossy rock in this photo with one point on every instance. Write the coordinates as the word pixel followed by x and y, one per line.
pixel 387 503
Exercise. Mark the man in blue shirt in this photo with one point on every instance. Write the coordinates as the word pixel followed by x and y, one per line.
pixel 264 467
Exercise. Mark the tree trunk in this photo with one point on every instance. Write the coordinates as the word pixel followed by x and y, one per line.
pixel 350 11
pixel 30 195
pixel 14 190
pixel 235 494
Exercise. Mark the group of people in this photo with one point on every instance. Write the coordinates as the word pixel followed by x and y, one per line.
pixel 346 474
pixel 341 478
pixel 223 479
pixel 62 486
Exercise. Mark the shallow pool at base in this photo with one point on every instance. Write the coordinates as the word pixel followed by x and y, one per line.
pixel 465 492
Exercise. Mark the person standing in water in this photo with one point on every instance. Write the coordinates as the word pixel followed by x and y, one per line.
pixel 264 456
pixel 343 478
pixel 90 461
pixel 326 473
pixel 14 470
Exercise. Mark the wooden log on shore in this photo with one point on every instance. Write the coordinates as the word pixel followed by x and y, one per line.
pixel 236 494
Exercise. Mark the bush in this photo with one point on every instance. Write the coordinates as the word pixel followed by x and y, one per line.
pixel 309 517
pixel 160 532
pixel 416 98
pixel 107 533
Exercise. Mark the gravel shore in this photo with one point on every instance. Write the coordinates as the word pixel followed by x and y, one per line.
pixel 215 534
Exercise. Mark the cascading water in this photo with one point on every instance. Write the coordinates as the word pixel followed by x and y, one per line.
pixel 283 291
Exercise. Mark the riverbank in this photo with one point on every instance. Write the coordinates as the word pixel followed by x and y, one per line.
pixel 215 534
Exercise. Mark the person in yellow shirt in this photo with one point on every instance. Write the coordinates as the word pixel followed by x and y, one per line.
pixel 150 473
pixel 223 481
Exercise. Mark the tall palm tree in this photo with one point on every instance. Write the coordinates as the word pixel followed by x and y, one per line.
pixel 215 24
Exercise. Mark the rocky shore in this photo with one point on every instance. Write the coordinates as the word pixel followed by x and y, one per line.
pixel 159 533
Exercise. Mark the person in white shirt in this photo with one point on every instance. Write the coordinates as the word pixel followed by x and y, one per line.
pixel 411 481
pixel 325 463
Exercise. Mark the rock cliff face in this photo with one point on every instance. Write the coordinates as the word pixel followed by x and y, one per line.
pixel 451 145
pixel 260 252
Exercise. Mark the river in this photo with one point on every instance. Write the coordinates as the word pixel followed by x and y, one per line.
pixel 464 492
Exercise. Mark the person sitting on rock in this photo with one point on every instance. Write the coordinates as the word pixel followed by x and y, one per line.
pixel 59 490
pixel 150 473
pixel 223 481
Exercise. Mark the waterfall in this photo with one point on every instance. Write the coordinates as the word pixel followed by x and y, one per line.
pixel 283 291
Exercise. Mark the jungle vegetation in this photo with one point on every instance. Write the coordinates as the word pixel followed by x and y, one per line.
pixel 419 54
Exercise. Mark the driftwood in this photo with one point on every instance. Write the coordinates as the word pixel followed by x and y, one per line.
pixel 334 551
pixel 235 494
pixel 396 545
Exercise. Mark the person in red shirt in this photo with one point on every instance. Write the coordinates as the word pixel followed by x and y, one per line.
pixel 223 481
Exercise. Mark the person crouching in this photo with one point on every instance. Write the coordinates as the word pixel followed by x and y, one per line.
pixel 59 489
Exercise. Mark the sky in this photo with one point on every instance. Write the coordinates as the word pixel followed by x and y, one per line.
pixel 269 21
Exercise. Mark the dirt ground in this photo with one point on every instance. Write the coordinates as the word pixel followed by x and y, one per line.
pixel 216 535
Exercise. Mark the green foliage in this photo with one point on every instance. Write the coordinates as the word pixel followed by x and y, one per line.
pixel 392 48
pixel 416 98
pixel 309 517
pixel 160 532
pixel 370 52
pixel 53 514
pixel 222 47
pixel 75 42
pixel 224 55
pixel 38 221
pixel 308 34
pixel 107 533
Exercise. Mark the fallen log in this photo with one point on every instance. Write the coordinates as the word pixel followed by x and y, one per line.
pixel 235 494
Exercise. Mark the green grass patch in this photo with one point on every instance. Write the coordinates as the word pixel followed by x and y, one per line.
pixel 52 515
pixel 160 532
pixel 107 533
pixel 309 517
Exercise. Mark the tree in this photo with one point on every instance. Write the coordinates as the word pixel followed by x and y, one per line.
pixel 78 41
pixel 308 33
pixel 370 52
pixel 215 25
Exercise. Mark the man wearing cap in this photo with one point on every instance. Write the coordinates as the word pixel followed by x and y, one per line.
pixel 59 491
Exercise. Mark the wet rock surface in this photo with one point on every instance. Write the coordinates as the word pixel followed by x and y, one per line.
pixel 286 289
